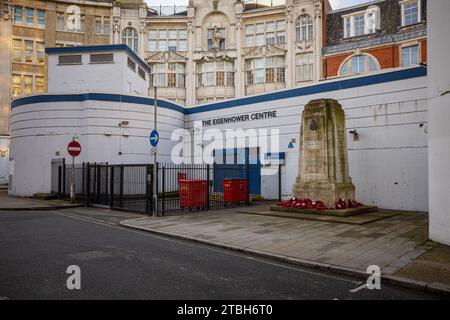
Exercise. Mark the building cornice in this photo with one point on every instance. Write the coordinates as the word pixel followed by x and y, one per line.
pixel 377 41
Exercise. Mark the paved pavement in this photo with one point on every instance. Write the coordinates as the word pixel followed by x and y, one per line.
pixel 9 203
pixel 390 243
pixel 121 263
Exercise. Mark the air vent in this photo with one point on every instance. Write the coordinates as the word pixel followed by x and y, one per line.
pixel 69 59
pixel 102 58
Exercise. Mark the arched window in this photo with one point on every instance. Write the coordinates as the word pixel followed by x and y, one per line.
pixel 304 28
pixel 130 38
pixel 359 64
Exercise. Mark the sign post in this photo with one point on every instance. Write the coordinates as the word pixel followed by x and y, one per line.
pixel 74 150
pixel 154 139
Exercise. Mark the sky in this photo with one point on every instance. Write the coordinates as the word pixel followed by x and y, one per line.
pixel 336 4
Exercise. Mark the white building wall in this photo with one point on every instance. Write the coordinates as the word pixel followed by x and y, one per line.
pixel 389 162
pixel 115 78
pixel 4 160
pixel 439 115
pixel 41 132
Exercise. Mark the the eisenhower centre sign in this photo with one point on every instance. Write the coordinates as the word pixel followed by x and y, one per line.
pixel 241 118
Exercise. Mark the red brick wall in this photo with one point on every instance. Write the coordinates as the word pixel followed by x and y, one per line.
pixel 424 50
pixel 388 57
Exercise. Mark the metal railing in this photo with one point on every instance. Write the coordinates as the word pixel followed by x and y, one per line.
pixel 264 3
pixel 169 10
pixel 179 188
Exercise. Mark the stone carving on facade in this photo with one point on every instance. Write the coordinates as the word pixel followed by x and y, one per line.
pixel 239 21
pixel 166 56
pixel 190 25
pixel 5 11
pixel 264 51
pixel 116 24
pixel 317 8
pixel 216 39
pixel 142 25
pixel 215 57
pixel 304 45
pixel 289 14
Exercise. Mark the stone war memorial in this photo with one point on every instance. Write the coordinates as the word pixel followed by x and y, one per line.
pixel 324 185
pixel 323 164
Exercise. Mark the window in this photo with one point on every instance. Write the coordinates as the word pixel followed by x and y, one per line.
pixel 305 66
pixel 17 50
pixel 219 73
pixel 41 18
pixel 40 52
pixel 168 75
pixel 221 31
pixel 69 59
pixel 359 64
pixel 39 84
pixel 29 16
pixel 142 73
pixel 17 85
pixel 130 38
pixel 167 40
pixel 131 64
pixel 410 12
pixel 29 51
pixel 102 58
pixel 18 15
pixel 60 21
pixel 28 85
pixel 102 25
pixel 362 23
pixel 359 25
pixel 410 56
pixel 265 70
pixel 269 33
pixel 304 28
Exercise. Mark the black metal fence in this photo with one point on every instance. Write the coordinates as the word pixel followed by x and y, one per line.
pixel 176 189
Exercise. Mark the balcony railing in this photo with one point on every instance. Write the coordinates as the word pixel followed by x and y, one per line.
pixel 169 10
pixel 263 3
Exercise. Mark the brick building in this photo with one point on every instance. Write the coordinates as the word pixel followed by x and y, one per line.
pixel 377 35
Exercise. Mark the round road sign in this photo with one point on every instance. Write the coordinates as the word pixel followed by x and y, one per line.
pixel 74 148
pixel 154 138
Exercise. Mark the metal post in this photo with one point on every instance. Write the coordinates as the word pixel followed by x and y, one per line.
pixel 64 178
pixel 88 184
pixel 121 187
pixel 82 180
pixel 207 187
pixel 279 182
pixel 248 176
pixel 149 181
pixel 59 181
pixel 163 190
pixel 111 188
pixel 155 160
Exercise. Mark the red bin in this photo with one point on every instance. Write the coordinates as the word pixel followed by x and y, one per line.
pixel 235 190
pixel 193 194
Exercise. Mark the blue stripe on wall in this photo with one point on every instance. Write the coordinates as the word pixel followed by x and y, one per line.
pixel 297 92
pixel 320 88
pixel 96 97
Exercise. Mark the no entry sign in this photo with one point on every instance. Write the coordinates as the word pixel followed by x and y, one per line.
pixel 74 148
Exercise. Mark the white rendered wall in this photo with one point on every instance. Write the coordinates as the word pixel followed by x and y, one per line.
pixel 4 161
pixel 115 78
pixel 439 117
pixel 41 131
pixel 389 162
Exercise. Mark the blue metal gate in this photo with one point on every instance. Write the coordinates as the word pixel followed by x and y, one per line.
pixel 245 159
